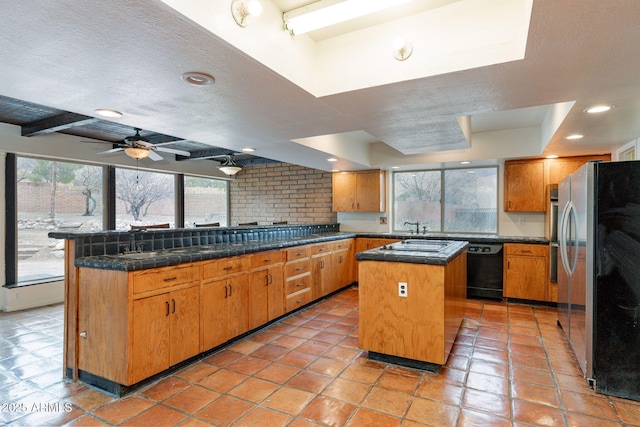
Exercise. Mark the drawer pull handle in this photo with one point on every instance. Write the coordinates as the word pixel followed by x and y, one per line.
pixel 298 268
pixel 299 301
pixel 167 302
pixel 228 268
pixel 299 284
pixel 230 289
pixel 269 279
pixel 267 259
pixel 527 251
pixel 174 305
pixel 170 279
pixel 226 291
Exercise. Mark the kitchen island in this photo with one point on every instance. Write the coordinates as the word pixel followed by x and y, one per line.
pixel 412 300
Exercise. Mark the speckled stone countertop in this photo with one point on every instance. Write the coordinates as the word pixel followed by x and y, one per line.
pixel 174 256
pixel 472 238
pixel 442 257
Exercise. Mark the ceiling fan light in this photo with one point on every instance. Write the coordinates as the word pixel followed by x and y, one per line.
pixel 137 153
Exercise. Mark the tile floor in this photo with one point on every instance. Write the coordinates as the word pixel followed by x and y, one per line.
pixel 510 366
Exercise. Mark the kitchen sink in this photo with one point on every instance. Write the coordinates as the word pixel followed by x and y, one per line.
pixel 140 255
pixel 415 245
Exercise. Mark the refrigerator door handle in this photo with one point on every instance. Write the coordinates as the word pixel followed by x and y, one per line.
pixel 574 216
pixel 562 238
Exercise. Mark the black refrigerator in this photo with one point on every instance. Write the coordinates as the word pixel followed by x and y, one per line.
pixel 599 277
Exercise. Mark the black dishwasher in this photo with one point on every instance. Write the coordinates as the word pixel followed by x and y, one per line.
pixel 484 271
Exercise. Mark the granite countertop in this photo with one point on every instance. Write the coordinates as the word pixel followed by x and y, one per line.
pixel 167 257
pixel 388 254
pixel 472 238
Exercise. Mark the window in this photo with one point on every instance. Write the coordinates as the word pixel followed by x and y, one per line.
pixel 52 196
pixel 467 202
pixel 144 198
pixel 205 201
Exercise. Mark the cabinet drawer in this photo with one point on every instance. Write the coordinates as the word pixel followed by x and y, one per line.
pixel 321 248
pixel 158 278
pixel 224 266
pixel 298 252
pixel 298 284
pixel 266 258
pixel 298 299
pixel 525 249
pixel 297 267
pixel 342 244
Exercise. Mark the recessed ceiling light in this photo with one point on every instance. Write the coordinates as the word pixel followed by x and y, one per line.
pixel 465 162
pixel 105 112
pixel 197 79
pixel 574 136
pixel 395 167
pixel 248 149
pixel 598 109
pixel 552 156
pixel 335 170
pixel 332 159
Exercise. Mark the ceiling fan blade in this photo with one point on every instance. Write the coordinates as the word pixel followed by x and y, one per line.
pixel 113 150
pixel 154 156
pixel 173 151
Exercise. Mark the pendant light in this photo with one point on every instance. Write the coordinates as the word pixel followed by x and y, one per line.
pixel 229 167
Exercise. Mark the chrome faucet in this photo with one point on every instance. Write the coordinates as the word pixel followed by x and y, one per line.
pixel 417 224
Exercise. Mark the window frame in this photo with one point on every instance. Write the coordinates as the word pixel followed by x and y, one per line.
pixel 442 198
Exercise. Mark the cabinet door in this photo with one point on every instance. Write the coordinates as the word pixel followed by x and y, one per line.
pixel 369 192
pixel 258 298
pixel 342 270
pixel 237 306
pixel 185 324
pixel 344 192
pixel 150 341
pixel 525 277
pixel 214 313
pixel 276 292
pixel 320 275
pixel 524 186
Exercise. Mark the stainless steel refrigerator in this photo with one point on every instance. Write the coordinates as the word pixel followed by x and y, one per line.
pixel 599 281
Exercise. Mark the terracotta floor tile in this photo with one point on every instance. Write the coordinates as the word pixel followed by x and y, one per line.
pixel 269 352
pixel 248 365
pixel 289 400
pixel 303 332
pixel 317 324
pixel 280 328
pixel 314 347
pixel 347 390
pixel 86 421
pixel 529 350
pixel 388 401
pixel 529 361
pixel 265 337
pixel 594 405
pixel 515 337
pixel 491 355
pixel 573 383
pixel 567 368
pixel 278 373
pixel 629 411
pixel 259 416
pixel 222 358
pixel 349 341
pixel 288 341
pixel 156 416
pixel 367 418
pixel 457 361
pixel 327 411
pixel 470 417
pixel 488 402
pixel 309 381
pixel 222 380
pixel 90 399
pixel 433 413
pixel 254 390
pixel 121 410
pixel 448 375
pixel 342 353
pixel 441 391
pixel 491 343
pixel 192 399
pixel 535 393
pixel 535 376
pixel 396 381
pixel 535 414
pixel 298 358
pixel 339 328
pixel 363 374
pixel 165 388
pixel 580 420
pixel 224 411
pixel 327 366
pixel 488 383
pixel 328 337
pixel 490 368
pixel 246 346
pixel 196 372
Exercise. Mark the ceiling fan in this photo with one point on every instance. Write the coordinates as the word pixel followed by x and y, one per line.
pixel 139 147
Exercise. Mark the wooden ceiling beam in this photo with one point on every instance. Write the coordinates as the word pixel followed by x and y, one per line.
pixel 56 123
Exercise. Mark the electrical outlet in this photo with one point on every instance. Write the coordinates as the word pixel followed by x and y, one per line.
pixel 520 221
pixel 402 289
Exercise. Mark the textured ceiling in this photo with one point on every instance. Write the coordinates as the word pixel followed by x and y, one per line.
pixel 129 56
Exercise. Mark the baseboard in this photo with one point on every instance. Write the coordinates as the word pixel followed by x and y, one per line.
pixel 25 297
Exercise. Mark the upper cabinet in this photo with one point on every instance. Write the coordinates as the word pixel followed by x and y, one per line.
pixel 362 191
pixel 525 181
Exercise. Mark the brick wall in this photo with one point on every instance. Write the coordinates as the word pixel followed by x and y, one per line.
pixel 281 192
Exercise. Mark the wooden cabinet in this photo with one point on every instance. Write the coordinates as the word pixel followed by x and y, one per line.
pixel 364 244
pixel 166 331
pixel 525 181
pixel 526 271
pixel 362 191
pixel 321 274
pixel 266 287
pixel 342 257
pixel 524 186
pixel 297 277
